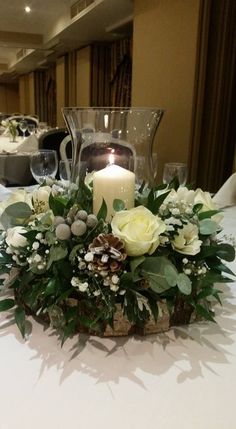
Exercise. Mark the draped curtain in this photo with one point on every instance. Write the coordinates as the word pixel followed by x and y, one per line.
pixel 111 74
pixel 45 95
pixel 70 79
pixel 214 125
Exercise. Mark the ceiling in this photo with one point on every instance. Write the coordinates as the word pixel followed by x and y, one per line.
pixel 29 41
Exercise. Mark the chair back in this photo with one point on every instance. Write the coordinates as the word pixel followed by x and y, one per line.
pixel 52 139
pixel 66 148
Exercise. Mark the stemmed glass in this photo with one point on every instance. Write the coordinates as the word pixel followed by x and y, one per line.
pixel 65 170
pixel 31 129
pixel 23 127
pixel 175 169
pixel 43 165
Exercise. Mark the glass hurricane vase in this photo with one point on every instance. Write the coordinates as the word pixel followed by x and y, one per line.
pixel 121 136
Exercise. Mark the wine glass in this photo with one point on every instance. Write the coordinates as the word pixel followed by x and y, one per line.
pixel 43 165
pixel 23 127
pixel 177 170
pixel 65 170
pixel 31 129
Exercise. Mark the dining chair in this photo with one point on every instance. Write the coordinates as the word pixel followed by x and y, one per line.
pixel 52 139
pixel 66 148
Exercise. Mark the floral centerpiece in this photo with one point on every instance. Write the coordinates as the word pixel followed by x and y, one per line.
pixel 11 128
pixel 150 267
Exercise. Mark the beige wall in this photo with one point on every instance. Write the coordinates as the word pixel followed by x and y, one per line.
pixel 164 56
pixel 9 98
pixel 83 80
pixel 61 92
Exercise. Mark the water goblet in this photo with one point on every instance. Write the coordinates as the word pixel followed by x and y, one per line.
pixel 23 127
pixel 177 170
pixel 43 165
pixel 65 170
pixel 31 129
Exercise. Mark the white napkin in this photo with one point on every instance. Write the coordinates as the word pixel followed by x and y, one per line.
pixel 4 192
pixel 226 196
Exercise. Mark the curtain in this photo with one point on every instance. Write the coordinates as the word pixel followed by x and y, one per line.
pixel 45 95
pixel 214 125
pixel 70 79
pixel 111 74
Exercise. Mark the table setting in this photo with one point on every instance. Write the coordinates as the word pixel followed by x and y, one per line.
pixel 118 299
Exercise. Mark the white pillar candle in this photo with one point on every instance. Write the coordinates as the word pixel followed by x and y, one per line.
pixel 113 182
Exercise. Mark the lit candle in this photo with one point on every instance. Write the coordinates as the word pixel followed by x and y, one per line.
pixel 113 182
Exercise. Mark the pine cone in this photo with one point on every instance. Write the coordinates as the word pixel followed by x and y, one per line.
pixel 109 253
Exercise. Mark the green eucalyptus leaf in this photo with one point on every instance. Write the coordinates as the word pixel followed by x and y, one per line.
pixel 102 214
pixel 208 227
pixel 6 304
pixel 184 284
pixel 171 275
pixel 134 264
pixel 19 210
pixel 118 205
pixel 55 254
pixel 153 269
pixel 20 320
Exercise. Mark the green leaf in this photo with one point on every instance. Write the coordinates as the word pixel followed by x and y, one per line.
pixel 158 202
pixel 118 205
pixel 134 264
pixel 20 320
pixel 171 275
pixel 19 210
pixel 226 251
pixel 208 227
pixel 55 254
pixel 57 204
pixel 184 284
pixel 51 287
pixel 203 312
pixel 197 207
pixel 102 214
pixel 6 304
pixel 15 214
pixel 153 269
pixel 207 214
pixel 56 316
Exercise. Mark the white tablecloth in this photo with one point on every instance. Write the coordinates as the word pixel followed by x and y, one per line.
pixel 184 379
pixel 14 159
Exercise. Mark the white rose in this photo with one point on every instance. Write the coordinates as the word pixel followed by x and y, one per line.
pixel 15 238
pixel 187 241
pixel 40 198
pixel 205 199
pixel 139 229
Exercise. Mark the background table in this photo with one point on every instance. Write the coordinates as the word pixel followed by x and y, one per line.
pixel 183 379
pixel 15 159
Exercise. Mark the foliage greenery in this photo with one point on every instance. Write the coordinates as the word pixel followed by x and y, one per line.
pixel 66 282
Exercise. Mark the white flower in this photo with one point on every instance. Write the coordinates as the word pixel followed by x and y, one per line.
pixel 205 199
pixel 15 238
pixel 35 245
pixel 89 257
pixel 40 198
pixel 182 194
pixel 83 286
pixel 139 229
pixel 187 241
